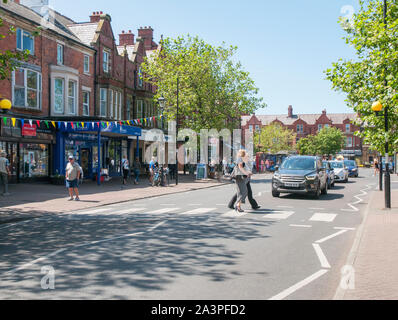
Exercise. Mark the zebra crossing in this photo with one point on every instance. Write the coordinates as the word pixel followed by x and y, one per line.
pixel 266 214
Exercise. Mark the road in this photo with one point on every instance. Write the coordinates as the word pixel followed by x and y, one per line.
pixel 188 246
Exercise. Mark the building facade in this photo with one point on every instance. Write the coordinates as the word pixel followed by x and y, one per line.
pixel 310 124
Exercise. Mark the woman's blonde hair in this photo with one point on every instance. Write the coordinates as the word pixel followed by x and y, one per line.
pixel 241 153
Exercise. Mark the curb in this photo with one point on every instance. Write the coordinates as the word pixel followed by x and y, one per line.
pixel 340 292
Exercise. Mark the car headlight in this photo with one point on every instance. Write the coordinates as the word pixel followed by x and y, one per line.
pixel 277 175
pixel 354 169
pixel 311 177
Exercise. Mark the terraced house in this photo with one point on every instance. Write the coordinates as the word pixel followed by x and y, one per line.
pixel 76 72
pixel 310 124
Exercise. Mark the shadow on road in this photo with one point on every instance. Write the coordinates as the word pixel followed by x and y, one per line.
pixel 183 246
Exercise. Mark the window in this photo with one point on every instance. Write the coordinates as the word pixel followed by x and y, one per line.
pixel 59 95
pixel 140 81
pixel 111 103
pixel 120 105
pixel 86 64
pixel 27 88
pixel 86 103
pixel 103 102
pixel 300 128
pixel 25 41
pixel 106 61
pixel 72 97
pixel 251 128
pixel 347 128
pixel 326 126
pixel 139 109
pixel 319 127
pixel 349 142
pixel 257 128
pixel 34 160
pixel 60 54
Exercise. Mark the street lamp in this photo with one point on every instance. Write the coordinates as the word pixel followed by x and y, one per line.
pixel 5 105
pixel 162 105
pixel 377 107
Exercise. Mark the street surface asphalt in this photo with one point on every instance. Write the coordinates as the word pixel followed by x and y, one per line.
pixel 189 246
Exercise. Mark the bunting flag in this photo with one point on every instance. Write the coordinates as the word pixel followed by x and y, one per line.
pixel 83 124
pixel 22 122
pixel 128 122
pixel 31 123
pixel 13 121
pixel 59 124
pixel 53 123
pixel 5 120
pixel 66 125
pixel 72 125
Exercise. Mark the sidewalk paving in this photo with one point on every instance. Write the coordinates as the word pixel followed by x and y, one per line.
pixel 32 200
pixel 376 260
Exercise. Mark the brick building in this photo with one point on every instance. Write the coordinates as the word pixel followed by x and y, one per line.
pixel 75 72
pixel 310 124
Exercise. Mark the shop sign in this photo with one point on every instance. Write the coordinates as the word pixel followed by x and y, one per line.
pixel 7 131
pixel 29 131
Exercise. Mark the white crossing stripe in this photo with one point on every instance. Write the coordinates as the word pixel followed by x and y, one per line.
pixel 280 215
pixel 93 211
pixel 199 211
pixel 165 210
pixel 323 217
pixel 131 210
pixel 321 256
pixel 331 236
pixel 300 226
pixel 234 214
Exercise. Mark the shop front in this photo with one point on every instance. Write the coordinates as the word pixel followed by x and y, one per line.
pixel 29 149
pixel 99 151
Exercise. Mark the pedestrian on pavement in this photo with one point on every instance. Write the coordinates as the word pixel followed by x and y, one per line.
pixel 137 169
pixel 252 201
pixel 241 180
pixel 151 170
pixel 377 169
pixel 4 172
pixel 72 177
pixel 126 169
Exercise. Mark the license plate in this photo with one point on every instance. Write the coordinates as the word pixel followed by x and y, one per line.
pixel 292 185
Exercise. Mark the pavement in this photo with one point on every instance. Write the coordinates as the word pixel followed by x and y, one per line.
pixel 374 256
pixel 32 200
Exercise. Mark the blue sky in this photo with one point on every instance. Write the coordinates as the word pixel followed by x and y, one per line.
pixel 285 45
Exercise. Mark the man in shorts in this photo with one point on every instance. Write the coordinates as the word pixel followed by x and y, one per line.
pixel 72 177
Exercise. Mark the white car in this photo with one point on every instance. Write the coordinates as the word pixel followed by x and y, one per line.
pixel 340 171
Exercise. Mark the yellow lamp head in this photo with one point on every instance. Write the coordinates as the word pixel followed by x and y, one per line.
pixel 5 104
pixel 377 106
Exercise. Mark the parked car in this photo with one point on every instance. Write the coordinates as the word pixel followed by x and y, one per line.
pixel 352 167
pixel 330 173
pixel 340 171
pixel 300 175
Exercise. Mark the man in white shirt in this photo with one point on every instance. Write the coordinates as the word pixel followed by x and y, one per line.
pixel 4 172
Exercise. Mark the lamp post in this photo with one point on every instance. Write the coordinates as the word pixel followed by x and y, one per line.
pixel 178 102
pixel 162 105
pixel 5 105
pixel 377 107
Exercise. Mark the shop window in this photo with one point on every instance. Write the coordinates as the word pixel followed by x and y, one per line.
pixel 33 160
pixel 86 103
pixel 27 88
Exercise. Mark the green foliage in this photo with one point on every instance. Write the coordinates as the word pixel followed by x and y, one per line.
pixel 9 59
pixel 274 138
pixel 328 141
pixel 373 75
pixel 214 90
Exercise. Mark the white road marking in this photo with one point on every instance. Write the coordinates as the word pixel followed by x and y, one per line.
pixel 234 214
pixel 354 209
pixel 199 211
pixel 331 236
pixel 342 228
pixel 323 217
pixel 299 285
pixel 156 226
pixel 300 226
pixel 280 215
pixel 287 207
pixel 163 211
pixel 321 256
pixel 132 210
pixel 94 211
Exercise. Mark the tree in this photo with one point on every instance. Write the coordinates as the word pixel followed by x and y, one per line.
pixel 373 75
pixel 328 141
pixel 214 90
pixel 274 138
pixel 9 60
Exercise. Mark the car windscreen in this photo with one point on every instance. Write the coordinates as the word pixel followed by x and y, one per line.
pixel 299 164
pixel 351 163
pixel 325 165
pixel 337 165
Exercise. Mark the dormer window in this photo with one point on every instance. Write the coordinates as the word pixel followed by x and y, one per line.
pixel 25 41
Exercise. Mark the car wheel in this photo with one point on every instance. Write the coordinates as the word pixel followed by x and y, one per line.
pixel 275 194
pixel 333 184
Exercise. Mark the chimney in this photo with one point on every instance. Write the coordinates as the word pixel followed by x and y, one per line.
pixel 146 33
pixel 324 112
pixel 126 39
pixel 290 112
pixel 95 17
pixel 39 6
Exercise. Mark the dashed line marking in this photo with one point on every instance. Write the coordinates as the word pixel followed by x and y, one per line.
pixel 331 236
pixel 343 228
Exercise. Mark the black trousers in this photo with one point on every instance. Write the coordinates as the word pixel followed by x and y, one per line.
pixel 253 202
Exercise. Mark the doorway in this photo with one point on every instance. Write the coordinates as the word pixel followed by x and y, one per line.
pixel 86 162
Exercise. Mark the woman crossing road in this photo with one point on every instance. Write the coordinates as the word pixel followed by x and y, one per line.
pixel 241 178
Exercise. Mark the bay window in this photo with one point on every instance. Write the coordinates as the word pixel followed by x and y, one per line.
pixel 59 95
pixel 86 103
pixel 103 101
pixel 72 97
